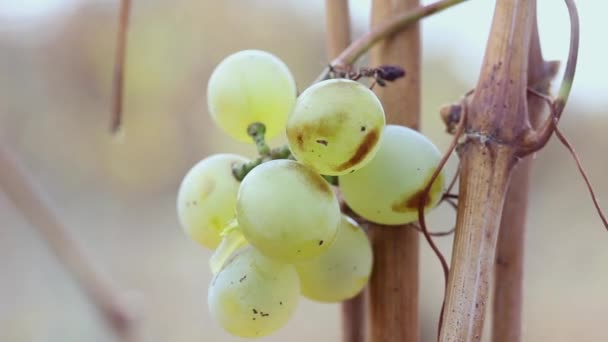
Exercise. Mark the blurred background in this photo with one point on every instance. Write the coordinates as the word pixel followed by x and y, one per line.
pixel 117 195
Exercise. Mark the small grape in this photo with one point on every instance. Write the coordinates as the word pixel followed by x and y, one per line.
pixel 251 86
pixel 335 126
pixel 343 270
pixel 207 198
pixel 388 190
pixel 287 211
pixel 253 296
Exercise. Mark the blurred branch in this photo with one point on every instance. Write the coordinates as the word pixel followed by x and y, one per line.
pixel 119 66
pixel 393 288
pixel 509 261
pixel 337 21
pixel 29 200
pixel 397 23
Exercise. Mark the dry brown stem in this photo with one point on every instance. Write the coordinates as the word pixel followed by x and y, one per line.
pixel 29 200
pixel 496 122
pixel 393 288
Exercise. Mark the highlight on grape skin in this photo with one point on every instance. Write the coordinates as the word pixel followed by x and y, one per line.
pixel 343 270
pixel 389 189
pixel 335 126
pixel 287 211
pixel 251 86
pixel 253 296
pixel 207 198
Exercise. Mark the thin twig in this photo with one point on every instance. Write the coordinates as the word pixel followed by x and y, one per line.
pixel 579 165
pixel 29 200
pixel 395 24
pixel 444 265
pixel 119 66
pixel 570 148
pixel 539 138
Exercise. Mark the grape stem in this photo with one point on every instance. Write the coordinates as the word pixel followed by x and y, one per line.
pixel 398 23
pixel 256 131
pixel 241 170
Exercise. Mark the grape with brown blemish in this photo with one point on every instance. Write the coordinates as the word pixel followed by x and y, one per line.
pixel 342 119
pixel 389 189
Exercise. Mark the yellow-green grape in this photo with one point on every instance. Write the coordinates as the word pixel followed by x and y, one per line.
pixel 251 86
pixel 343 270
pixel 207 198
pixel 253 296
pixel 335 126
pixel 389 189
pixel 287 211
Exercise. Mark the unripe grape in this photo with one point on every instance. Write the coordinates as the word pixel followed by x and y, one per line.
pixel 253 296
pixel 287 211
pixel 335 126
pixel 207 198
pixel 251 86
pixel 389 189
pixel 343 270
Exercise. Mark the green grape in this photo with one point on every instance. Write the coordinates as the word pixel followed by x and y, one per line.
pixel 253 296
pixel 207 197
pixel 251 86
pixel 335 126
pixel 389 189
pixel 343 270
pixel 287 211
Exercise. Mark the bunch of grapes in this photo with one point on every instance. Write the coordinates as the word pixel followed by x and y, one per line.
pixel 275 222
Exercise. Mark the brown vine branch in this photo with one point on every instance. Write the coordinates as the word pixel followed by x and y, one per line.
pixel 497 118
pixel 119 66
pixel 389 27
pixel 28 199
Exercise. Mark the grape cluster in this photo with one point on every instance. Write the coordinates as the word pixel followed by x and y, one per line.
pixel 275 222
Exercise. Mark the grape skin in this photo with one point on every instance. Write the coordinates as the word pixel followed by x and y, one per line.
pixel 206 198
pixel 343 270
pixel 287 211
pixel 388 190
pixel 253 296
pixel 251 86
pixel 335 126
